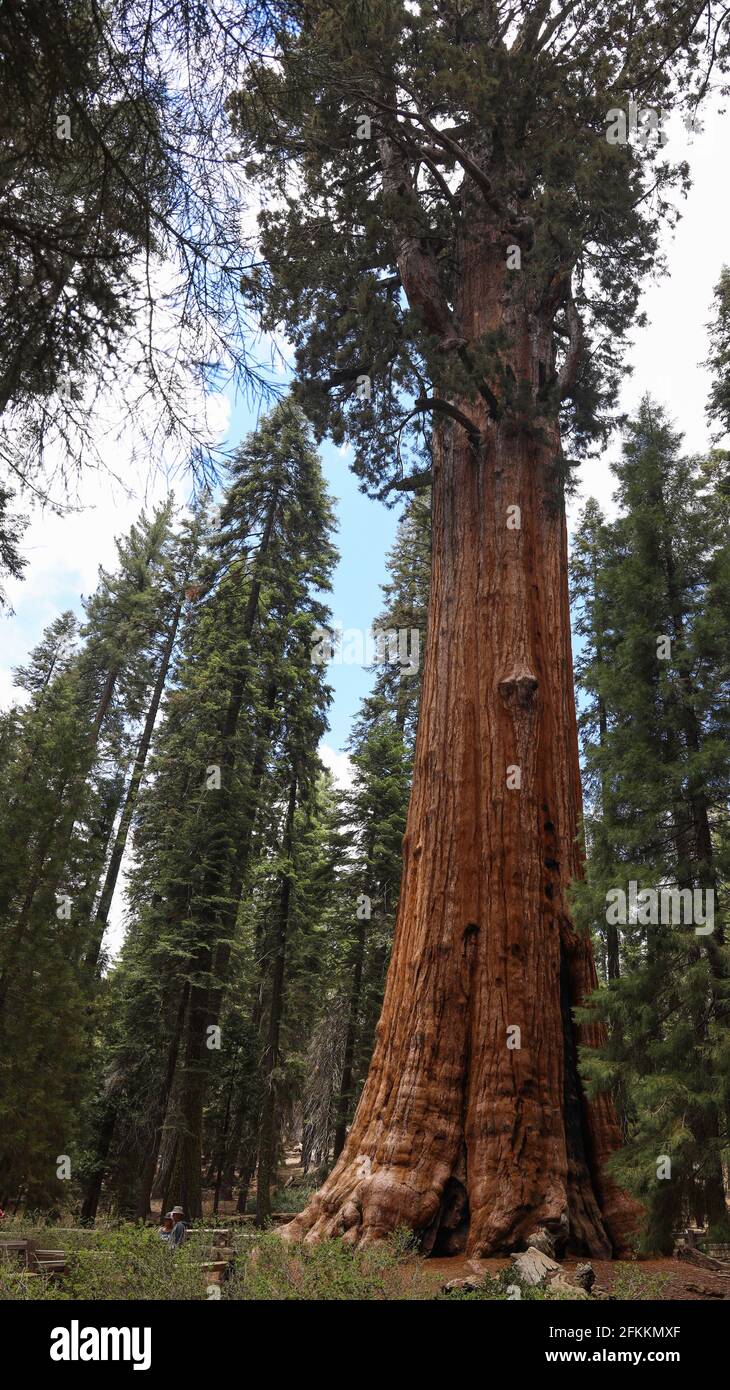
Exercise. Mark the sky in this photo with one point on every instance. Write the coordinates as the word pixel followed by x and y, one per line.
pixel 64 552
pixel 667 354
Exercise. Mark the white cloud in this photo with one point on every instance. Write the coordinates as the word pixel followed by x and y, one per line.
pixel 668 353
pixel 338 764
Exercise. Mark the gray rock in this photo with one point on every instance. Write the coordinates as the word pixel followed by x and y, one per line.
pixel 459 1285
pixel 584 1276
pixel 542 1240
pixel 534 1267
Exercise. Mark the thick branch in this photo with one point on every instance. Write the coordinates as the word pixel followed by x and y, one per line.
pixel 415 482
pixel 340 378
pixel 442 407
pixel 418 268
pixel 442 139
pixel 569 369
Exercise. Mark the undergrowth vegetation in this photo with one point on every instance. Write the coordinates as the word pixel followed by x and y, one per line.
pixel 131 1262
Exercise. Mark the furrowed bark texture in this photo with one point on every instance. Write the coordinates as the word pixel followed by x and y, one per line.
pixel 470 1142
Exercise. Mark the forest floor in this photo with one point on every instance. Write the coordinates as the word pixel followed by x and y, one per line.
pixel 123 1260
pixel 664 1279
pixel 129 1261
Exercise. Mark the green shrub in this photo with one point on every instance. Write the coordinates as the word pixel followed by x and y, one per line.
pixel 293 1199
pixel 17 1284
pixel 503 1287
pixel 129 1263
pixel 630 1282
pixel 272 1269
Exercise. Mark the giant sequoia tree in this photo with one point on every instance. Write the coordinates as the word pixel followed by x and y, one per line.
pixel 456 245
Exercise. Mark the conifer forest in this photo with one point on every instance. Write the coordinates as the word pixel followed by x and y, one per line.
pixel 365 656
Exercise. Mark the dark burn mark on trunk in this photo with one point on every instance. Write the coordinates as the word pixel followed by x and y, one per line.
pixel 518 689
pixel 449 1231
pixel 576 1139
pixel 453 1227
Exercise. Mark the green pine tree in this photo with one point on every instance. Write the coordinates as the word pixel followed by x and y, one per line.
pixel 654 668
pixel 244 658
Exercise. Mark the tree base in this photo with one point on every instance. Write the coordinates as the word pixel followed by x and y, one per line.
pixel 362 1206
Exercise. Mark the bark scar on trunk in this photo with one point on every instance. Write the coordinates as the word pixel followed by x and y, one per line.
pixel 519 687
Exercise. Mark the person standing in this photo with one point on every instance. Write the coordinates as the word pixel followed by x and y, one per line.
pixel 179 1229
pixel 165 1230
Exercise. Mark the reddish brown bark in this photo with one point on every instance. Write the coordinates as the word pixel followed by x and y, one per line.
pixel 454 1128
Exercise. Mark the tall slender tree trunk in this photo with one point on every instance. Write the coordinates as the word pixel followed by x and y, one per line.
pixel 101 915
pixel 247 1118
pixel 704 866
pixel 102 708
pixel 18 933
pixel 222 1145
pixel 92 1195
pixel 247 1169
pixel 484 943
pixel 152 1152
pixel 233 1144
pixel 223 877
pixel 37 879
pixel 210 967
pixel 344 1100
pixel 613 947
pixel 267 1135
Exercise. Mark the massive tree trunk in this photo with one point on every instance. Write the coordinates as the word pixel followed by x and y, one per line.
pixel 453 1117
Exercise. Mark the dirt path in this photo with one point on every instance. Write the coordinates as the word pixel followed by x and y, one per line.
pixel 679 1281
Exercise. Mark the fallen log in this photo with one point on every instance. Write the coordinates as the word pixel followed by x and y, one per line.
pixel 696 1257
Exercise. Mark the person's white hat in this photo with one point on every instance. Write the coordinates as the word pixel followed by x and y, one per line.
pixel 168 1216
